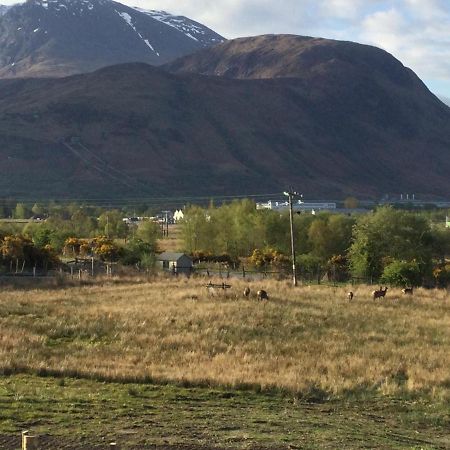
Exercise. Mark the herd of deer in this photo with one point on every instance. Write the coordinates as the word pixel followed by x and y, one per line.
pixel 378 293
pixel 381 293
pixel 260 295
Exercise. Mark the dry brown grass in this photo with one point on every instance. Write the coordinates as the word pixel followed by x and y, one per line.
pixel 301 339
pixel 172 243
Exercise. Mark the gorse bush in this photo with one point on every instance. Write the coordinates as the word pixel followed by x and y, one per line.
pixel 18 253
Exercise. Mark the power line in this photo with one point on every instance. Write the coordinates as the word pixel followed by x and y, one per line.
pixel 135 200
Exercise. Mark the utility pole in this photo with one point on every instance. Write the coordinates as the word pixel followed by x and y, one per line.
pixel 165 225
pixel 291 195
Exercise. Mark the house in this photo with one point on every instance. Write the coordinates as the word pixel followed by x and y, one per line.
pixel 178 216
pixel 175 262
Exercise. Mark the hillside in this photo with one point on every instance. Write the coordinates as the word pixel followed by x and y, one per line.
pixel 362 127
pixel 63 37
pixel 290 56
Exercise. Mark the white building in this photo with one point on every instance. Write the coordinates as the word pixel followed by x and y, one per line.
pixel 178 215
pixel 299 206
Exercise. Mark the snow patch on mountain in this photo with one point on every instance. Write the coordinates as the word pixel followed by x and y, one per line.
pixel 4 9
pixel 189 28
pixel 78 6
pixel 125 16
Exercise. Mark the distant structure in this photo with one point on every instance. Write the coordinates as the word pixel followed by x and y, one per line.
pixel 178 215
pixel 411 200
pixel 176 263
pixel 299 206
pixel 132 220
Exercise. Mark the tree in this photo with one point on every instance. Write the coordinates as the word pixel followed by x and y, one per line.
pixel 330 235
pixel 197 230
pixel 42 237
pixel 111 224
pixel 148 232
pixel 402 273
pixel 338 268
pixel 310 266
pixel 82 224
pixel 21 211
pixel 388 235
pixel 138 252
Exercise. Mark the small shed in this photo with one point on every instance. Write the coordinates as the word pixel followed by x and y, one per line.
pixel 175 262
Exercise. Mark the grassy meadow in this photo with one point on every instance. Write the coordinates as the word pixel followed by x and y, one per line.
pixel 307 344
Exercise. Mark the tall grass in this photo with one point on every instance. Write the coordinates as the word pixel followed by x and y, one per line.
pixel 303 339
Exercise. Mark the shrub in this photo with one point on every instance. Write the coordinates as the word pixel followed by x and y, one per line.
pixel 441 275
pixel 402 273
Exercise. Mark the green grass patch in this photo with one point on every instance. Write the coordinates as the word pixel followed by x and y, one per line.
pixel 139 415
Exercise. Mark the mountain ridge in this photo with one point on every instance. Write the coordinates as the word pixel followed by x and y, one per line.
pixel 63 37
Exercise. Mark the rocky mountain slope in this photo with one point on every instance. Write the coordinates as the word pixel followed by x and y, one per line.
pixel 289 56
pixel 64 37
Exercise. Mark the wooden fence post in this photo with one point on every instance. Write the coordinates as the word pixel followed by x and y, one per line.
pixel 29 441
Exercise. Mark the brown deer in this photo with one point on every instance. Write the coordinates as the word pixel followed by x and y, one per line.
pixel 262 295
pixel 379 293
pixel 407 291
pixel 247 292
pixel 350 295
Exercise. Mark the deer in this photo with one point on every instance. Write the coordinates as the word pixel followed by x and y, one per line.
pixel 379 293
pixel 262 295
pixel 247 292
pixel 407 291
pixel 350 295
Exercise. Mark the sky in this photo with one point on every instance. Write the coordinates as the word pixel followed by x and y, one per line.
pixel 417 32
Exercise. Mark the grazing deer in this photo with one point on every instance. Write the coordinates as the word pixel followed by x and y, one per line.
pixel 247 292
pixel 379 293
pixel 262 295
pixel 350 295
pixel 407 291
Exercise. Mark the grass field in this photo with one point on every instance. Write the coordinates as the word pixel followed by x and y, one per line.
pixel 307 368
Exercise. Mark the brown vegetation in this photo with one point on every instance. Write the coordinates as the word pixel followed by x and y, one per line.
pixel 301 339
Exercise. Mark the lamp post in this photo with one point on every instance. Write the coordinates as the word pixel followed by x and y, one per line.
pixel 291 195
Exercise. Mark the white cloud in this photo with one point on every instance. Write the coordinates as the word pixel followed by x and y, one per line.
pixel 415 31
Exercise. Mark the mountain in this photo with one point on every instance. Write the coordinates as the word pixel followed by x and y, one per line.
pixel 63 37
pixel 290 56
pixel 3 9
pixel 354 121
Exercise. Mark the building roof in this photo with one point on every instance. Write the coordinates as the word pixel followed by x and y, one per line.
pixel 170 256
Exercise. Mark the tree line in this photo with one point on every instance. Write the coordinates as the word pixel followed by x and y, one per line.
pixel 76 231
pixel 387 245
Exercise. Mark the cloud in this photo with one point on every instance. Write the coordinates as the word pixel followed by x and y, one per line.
pixel 415 31
pixel 446 100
